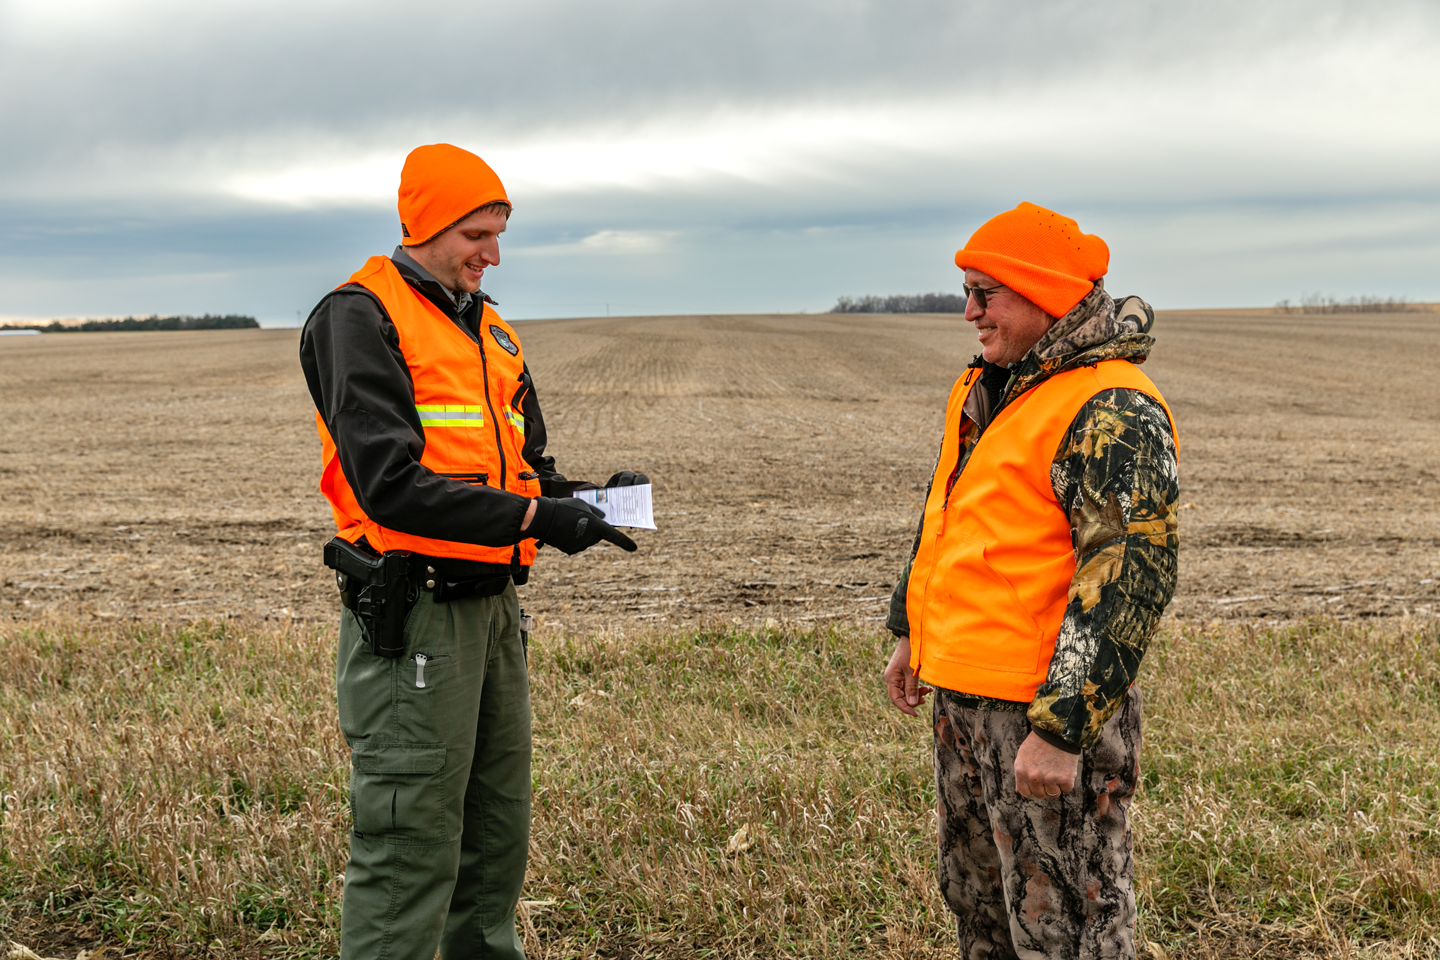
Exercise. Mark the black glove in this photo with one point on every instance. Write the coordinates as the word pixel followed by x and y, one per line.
pixel 627 479
pixel 571 525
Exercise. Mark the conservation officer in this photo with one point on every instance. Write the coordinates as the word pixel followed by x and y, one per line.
pixel 1045 555
pixel 433 450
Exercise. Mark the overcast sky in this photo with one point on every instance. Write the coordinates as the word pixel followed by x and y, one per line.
pixel 242 155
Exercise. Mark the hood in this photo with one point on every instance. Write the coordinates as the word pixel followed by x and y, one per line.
pixel 1097 328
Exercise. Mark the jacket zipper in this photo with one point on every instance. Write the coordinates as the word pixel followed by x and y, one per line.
pixel 494 421
pixel 954 477
pixel 916 635
pixel 995 415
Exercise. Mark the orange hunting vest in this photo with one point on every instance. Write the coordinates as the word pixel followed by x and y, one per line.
pixel 991 579
pixel 468 400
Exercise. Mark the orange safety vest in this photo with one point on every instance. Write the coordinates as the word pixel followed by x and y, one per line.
pixel 991 579
pixel 468 399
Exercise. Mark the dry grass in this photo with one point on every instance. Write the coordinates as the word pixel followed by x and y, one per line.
pixel 718 792
pixel 164 786
pixel 1291 789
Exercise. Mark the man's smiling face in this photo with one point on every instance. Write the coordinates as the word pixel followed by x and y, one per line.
pixel 1008 325
pixel 458 256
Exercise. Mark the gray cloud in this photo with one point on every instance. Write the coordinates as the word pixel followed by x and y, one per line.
pixel 788 152
pixel 187 75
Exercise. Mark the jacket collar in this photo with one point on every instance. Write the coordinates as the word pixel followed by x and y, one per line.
pixel 433 290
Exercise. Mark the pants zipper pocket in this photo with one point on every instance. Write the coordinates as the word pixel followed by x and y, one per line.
pixel 421 661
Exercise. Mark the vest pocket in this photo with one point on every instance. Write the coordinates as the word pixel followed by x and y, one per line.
pixel 478 479
pixel 397 790
pixel 973 614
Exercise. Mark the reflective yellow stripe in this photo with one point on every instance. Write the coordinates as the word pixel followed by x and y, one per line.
pixel 451 414
pixel 514 419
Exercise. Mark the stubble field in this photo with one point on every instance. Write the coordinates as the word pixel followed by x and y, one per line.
pixel 172 476
pixel 716 770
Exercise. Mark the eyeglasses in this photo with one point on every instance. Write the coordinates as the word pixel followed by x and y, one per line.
pixel 980 293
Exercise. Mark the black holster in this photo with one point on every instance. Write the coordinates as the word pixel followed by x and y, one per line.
pixel 378 588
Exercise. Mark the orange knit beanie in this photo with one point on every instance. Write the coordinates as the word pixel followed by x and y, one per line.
pixel 441 184
pixel 1040 255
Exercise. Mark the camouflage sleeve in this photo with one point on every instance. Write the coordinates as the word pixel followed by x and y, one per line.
pixel 1116 475
pixel 898 621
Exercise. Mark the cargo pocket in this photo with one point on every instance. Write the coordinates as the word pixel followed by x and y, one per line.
pixel 396 791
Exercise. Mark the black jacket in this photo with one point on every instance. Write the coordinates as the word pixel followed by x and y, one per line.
pixel 358 378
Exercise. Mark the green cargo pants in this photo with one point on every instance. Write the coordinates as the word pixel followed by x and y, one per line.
pixel 439 783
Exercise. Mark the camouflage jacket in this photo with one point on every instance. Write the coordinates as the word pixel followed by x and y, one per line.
pixel 1115 474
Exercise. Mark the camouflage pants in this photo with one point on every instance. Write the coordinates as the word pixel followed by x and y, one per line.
pixel 1034 879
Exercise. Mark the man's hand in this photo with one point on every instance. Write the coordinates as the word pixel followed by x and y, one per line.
pixel 572 525
pixel 1043 770
pixel 627 478
pixel 900 681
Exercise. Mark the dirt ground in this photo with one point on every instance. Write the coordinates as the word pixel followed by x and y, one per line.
pixel 172 475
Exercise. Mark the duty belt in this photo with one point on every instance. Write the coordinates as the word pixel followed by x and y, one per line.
pixel 421 572
pixel 446 587
pixel 381 589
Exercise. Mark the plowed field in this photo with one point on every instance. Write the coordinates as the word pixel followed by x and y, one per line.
pixel 172 475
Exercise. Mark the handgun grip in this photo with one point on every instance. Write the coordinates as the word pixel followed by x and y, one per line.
pixel 344 556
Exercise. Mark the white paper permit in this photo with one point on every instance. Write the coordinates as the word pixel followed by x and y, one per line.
pixel 623 506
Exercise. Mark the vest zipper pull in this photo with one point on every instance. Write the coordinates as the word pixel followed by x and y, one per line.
pixel 420 661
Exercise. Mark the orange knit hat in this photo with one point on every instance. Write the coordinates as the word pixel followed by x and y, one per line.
pixel 441 184
pixel 1040 255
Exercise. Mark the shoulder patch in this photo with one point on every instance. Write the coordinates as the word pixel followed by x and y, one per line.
pixel 503 338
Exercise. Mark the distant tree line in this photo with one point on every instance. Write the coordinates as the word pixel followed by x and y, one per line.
pixel 1315 303
pixel 229 321
pixel 902 303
